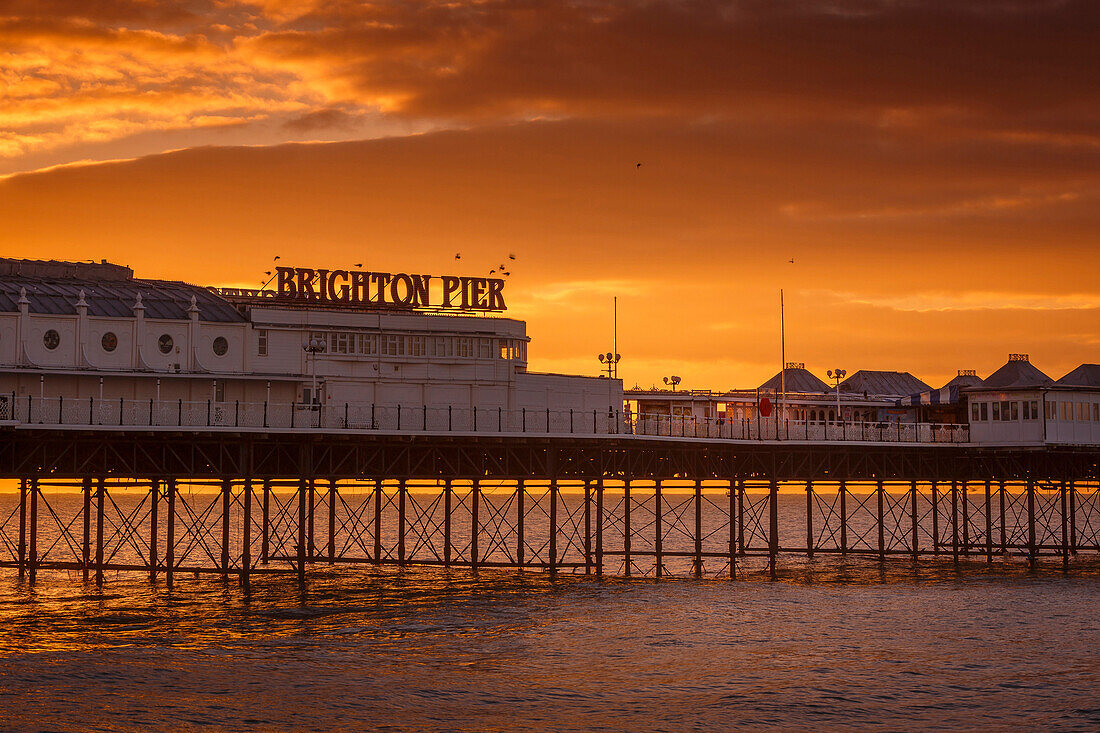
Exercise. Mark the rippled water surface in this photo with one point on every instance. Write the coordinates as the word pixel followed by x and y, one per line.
pixel 841 647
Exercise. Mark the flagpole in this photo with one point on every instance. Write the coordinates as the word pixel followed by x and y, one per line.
pixel 783 354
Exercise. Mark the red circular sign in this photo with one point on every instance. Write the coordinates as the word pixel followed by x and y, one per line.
pixel 765 406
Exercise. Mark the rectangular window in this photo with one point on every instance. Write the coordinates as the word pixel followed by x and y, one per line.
pixel 465 347
pixel 985 411
pixel 1031 410
pixel 261 342
pixel 1048 410
pixel 1096 411
pixel 416 346
pixel 996 411
pixel 340 343
pixel 484 348
pixel 503 350
pixel 1066 415
pixel 1081 414
pixel 1015 410
pixel 366 343
pixel 219 391
pixel 974 412
pixel 393 345
pixel 444 346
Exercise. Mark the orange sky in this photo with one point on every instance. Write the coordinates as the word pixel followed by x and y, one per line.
pixel 933 169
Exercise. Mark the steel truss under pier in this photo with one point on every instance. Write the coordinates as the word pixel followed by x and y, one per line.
pixel 240 504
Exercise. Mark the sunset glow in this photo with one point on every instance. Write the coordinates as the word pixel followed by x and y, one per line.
pixel 921 179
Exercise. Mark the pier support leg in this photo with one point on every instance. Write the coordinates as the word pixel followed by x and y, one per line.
pixel 1001 504
pixel 587 527
pixel 227 496
pixel 170 535
pixel 154 501
pixel 521 514
pixel 303 499
pixel 32 558
pixel 378 521
pixel 1065 528
pixel 732 491
pixel 22 527
pixel 881 492
pixel 401 524
pixel 311 544
pixel 626 526
pixel 698 528
pixel 1032 555
pixel 935 518
pixel 86 545
pixel 553 527
pixel 332 499
pixel 810 520
pixel 988 523
pixel 773 527
pixel 246 538
pixel 1073 518
pixel 447 495
pixel 966 518
pixel 475 522
pixel 100 495
pixel 599 527
pixel 843 517
pixel 657 528
pixel 914 519
pixel 954 522
pixel 741 516
pixel 265 528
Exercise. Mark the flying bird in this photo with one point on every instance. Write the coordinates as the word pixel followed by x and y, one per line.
pixel 358 264
pixel 276 257
pixel 511 257
pixel 791 260
pixel 638 165
pixel 458 255
pixel 506 274
pixel 492 272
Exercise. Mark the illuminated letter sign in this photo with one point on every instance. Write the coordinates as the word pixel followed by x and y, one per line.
pixel 401 289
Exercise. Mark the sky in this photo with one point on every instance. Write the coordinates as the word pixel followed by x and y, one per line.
pixel 921 179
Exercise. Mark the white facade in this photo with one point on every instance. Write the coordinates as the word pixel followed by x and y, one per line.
pixel 65 334
pixel 1036 416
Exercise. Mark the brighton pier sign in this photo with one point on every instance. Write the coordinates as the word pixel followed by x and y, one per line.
pixel 359 287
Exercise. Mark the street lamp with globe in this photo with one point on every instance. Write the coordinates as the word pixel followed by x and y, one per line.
pixel 313 347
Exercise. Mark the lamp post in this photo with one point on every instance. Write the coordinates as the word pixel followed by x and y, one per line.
pixel 610 362
pixel 837 374
pixel 313 347
pixel 672 381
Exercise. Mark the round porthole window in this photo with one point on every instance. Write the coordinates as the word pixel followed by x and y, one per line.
pixel 164 343
pixel 51 339
pixel 109 341
pixel 221 346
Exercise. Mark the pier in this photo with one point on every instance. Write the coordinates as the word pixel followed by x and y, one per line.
pixel 618 498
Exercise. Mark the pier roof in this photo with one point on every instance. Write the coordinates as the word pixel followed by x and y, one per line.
pixel 1017 373
pixel 875 382
pixel 1086 375
pixel 797 380
pixel 109 290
